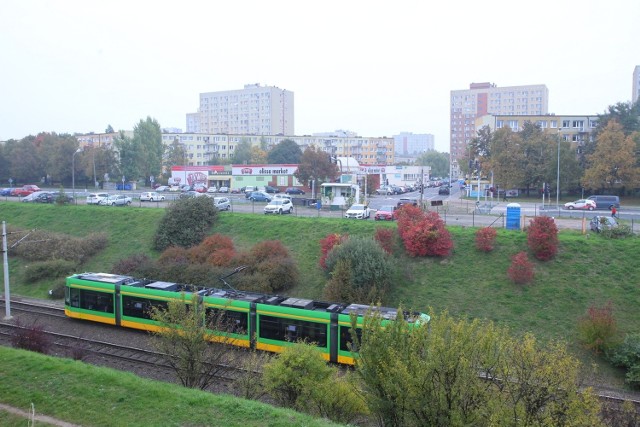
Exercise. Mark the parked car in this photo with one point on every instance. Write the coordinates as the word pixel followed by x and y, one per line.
pixel 25 190
pixel 386 213
pixel 222 203
pixel 94 198
pixel 294 190
pixel 599 223
pixel 212 190
pixel 223 190
pixel 248 190
pixel 605 202
pixel 260 196
pixel 358 211
pixel 151 196
pixel 6 191
pixel 581 204
pixel 279 206
pixel 444 190
pixel 33 196
pixel 270 189
pixel 174 188
pixel 191 193
pixel 49 197
pixel 163 188
pixel 281 196
pixel 201 188
pixel 406 201
pixel 384 190
pixel 116 200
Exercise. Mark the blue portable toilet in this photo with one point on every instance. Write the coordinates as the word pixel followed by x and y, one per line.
pixel 513 216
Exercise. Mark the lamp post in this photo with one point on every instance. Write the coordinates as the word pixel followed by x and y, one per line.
pixel 558 177
pixel 73 171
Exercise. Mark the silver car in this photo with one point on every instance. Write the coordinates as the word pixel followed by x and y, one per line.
pixel 222 203
pixel 94 198
pixel 116 200
pixel 151 196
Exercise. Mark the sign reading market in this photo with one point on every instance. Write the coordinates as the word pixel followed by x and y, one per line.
pixel 271 170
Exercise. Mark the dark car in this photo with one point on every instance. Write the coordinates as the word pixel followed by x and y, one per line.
pixel 259 196
pixel 444 190
pixel 53 198
pixel 270 189
pixel 294 190
pixel 407 201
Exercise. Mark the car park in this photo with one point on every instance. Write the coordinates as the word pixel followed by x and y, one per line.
pixel 294 190
pixel 584 204
pixel 116 200
pixel 600 223
pixel 94 198
pixel 279 206
pixel 386 213
pixel 151 196
pixel 222 203
pixel 259 196
pixel 358 211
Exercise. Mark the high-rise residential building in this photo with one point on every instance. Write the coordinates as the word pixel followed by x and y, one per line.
pixel 636 84
pixel 410 144
pixel 487 98
pixel 254 110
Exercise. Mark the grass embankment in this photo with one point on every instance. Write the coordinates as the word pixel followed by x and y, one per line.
pixel 87 395
pixel 589 269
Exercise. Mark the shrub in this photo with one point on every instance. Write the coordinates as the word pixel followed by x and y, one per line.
pixel 620 232
pixel 339 287
pixel 30 337
pixel 369 266
pixel 268 249
pixel 270 268
pixel 202 252
pixel 174 255
pixel 133 265
pixel 486 239
pixel 327 244
pixel 408 217
pixel 57 292
pixel 627 355
pixel 386 238
pixel 521 269
pixel 597 329
pixel 427 236
pixel 52 246
pixel 542 237
pixel 222 257
pixel 48 269
pixel 185 223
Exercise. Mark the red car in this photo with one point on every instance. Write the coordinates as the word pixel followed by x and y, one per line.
pixel 386 213
pixel 25 190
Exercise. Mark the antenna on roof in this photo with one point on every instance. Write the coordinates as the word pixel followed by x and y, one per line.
pixel 236 270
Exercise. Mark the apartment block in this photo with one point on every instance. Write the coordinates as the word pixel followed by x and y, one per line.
pixel 254 110
pixel 410 144
pixel 483 99
pixel 636 84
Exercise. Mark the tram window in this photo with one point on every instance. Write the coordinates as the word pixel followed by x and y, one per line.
pixel 228 320
pixel 275 328
pixel 92 300
pixel 345 338
pixel 74 297
pixel 140 307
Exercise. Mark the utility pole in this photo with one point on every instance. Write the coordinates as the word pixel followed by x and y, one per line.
pixel 5 263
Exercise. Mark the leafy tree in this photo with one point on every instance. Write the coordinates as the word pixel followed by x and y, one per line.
pixel 613 162
pixel 438 162
pixel 30 167
pixel 57 152
pixel 625 113
pixel 129 157
pixel 185 223
pixel 175 154
pixel 507 159
pixel 242 152
pixel 181 338
pixel 316 164
pixel 258 155
pixel 285 152
pixel 147 140
pixel 369 266
pixel 109 129
pixel 270 268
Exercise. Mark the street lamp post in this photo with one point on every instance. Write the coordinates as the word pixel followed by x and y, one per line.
pixel 558 177
pixel 73 171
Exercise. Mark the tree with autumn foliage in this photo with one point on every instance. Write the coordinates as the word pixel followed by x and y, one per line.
pixel 316 164
pixel 423 234
pixel 613 163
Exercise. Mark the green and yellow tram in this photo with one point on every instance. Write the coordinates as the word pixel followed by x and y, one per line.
pixel 264 322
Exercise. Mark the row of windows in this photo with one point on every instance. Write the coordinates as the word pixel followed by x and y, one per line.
pixel 90 300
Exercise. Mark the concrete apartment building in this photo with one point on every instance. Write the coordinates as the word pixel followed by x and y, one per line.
pixel 203 147
pixel 254 110
pixel 410 144
pixel 636 84
pixel 483 99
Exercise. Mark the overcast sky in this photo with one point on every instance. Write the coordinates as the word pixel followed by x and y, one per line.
pixel 377 68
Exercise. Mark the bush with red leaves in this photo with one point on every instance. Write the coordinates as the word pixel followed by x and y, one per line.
pixel 31 337
pixel 423 234
pixel 174 255
pixel 486 239
pixel 200 254
pixel 598 328
pixel 327 244
pixel 521 269
pixel 542 237
pixel 386 238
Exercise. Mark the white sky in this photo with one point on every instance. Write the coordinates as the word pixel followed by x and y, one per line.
pixel 374 67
